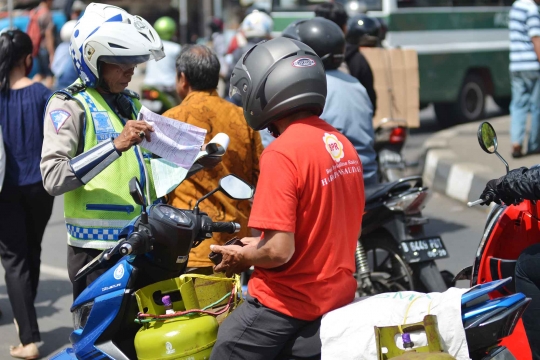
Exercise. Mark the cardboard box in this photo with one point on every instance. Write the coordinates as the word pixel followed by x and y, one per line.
pixel 395 79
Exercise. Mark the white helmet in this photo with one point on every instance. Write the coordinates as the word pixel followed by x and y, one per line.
pixel 67 30
pixel 257 24
pixel 110 34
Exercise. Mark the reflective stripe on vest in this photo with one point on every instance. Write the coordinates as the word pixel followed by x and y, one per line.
pixel 96 212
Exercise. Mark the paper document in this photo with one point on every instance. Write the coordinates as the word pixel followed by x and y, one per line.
pixel 173 140
pixel 167 175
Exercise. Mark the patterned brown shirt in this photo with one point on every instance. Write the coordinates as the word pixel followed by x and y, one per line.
pixel 207 110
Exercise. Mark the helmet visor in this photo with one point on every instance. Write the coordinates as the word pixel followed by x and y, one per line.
pixel 158 54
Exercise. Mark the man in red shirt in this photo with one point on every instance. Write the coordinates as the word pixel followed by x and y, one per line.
pixel 308 203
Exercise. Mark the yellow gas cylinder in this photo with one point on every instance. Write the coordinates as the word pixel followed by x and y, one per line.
pixel 385 338
pixel 187 337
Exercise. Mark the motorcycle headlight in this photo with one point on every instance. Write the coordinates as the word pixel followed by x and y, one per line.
pixel 80 315
pixel 411 203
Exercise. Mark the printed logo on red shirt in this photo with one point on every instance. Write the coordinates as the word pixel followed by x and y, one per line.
pixel 333 146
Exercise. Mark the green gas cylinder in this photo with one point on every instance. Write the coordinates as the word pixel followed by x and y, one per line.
pixel 186 338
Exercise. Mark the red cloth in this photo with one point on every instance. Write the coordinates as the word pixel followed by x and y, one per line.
pixel 311 185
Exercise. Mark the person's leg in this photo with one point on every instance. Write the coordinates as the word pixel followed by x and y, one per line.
pixel 305 345
pixel 534 132
pixel 38 206
pixel 76 259
pixel 528 282
pixel 13 254
pixel 254 332
pixel 519 107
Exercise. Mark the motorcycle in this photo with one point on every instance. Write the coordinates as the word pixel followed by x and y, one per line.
pixel 393 253
pixel 153 248
pixel 158 100
pixel 390 136
pixel 508 231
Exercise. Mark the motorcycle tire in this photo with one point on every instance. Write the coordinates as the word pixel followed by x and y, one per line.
pixel 428 278
pixel 389 271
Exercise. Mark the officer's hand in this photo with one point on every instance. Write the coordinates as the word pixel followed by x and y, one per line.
pixel 133 133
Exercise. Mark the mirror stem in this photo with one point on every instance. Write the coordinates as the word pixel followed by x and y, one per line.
pixel 144 217
pixel 196 207
pixel 504 161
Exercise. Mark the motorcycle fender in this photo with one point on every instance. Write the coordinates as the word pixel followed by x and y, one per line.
pixel 66 354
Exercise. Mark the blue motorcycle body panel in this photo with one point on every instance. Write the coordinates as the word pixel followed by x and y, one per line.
pixel 114 279
pixel 107 292
pixel 66 354
pixel 492 305
pixel 483 289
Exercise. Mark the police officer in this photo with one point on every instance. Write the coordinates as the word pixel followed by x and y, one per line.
pixel 89 152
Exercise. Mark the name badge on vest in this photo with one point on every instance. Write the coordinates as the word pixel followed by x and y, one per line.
pixel 103 126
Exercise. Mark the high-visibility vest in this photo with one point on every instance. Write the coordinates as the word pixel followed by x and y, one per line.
pixel 96 212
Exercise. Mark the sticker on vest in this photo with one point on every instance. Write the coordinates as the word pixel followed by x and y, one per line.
pixel 103 126
pixel 58 118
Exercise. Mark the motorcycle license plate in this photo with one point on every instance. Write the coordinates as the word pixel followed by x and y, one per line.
pixel 418 250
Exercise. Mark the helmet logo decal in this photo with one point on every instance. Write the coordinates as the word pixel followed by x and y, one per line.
pixel 303 62
pixel 333 146
pixel 139 25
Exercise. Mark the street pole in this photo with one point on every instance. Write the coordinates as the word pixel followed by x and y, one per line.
pixel 10 13
pixel 183 9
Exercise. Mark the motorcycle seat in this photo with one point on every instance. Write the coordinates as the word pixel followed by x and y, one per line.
pixel 375 192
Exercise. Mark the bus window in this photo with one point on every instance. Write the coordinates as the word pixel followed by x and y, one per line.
pixel 309 5
pixel 483 2
pixel 423 3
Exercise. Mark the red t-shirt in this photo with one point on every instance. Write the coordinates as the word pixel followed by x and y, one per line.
pixel 310 184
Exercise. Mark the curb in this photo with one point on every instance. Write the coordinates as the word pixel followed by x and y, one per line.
pixel 445 173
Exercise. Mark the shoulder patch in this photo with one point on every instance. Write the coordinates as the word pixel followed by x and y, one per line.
pixel 58 118
pixel 132 94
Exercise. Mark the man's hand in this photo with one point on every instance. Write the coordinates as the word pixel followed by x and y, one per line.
pixel 233 259
pixel 133 133
pixel 492 192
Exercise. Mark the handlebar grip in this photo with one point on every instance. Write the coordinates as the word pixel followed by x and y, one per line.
pixel 133 244
pixel 226 227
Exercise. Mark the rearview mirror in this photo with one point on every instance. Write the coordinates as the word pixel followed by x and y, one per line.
pixel 232 186
pixel 487 138
pixel 135 191
pixel 236 188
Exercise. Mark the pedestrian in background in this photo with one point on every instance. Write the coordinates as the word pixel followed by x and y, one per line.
pixel 25 206
pixel 41 31
pixel 62 65
pixel 197 79
pixel 162 76
pixel 525 75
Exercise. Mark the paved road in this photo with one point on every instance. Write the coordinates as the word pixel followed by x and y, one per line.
pixel 459 227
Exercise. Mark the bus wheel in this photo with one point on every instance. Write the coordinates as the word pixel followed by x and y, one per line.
pixel 469 105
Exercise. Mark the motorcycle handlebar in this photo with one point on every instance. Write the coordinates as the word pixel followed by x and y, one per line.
pixel 226 227
pixel 131 246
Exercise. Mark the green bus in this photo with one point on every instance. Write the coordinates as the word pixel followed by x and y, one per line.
pixel 462 45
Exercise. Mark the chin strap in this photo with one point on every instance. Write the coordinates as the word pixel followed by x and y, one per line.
pixel 90 163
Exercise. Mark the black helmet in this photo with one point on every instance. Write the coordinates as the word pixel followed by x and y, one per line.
pixel 323 36
pixel 277 78
pixel 363 30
